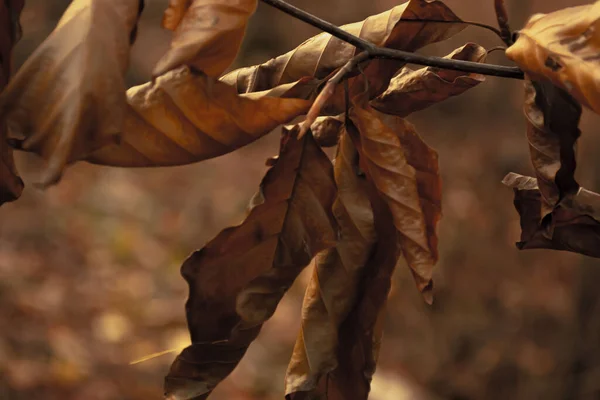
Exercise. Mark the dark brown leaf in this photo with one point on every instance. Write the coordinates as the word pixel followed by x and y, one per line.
pixel 552 131
pixel 185 117
pixel 334 286
pixel 68 99
pixel 207 36
pixel 411 91
pixel 386 164
pixel 572 226
pixel 321 55
pixel 237 280
pixel 11 186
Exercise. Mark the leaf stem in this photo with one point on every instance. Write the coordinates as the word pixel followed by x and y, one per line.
pixel 374 51
pixel 502 17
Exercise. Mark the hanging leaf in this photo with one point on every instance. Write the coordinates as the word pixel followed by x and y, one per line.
pixel 411 91
pixel 553 117
pixel 68 99
pixel 185 117
pixel 237 280
pixel 386 164
pixel 327 130
pixel 562 47
pixel 207 36
pixel 321 55
pixel 11 186
pixel 334 286
pixel 573 226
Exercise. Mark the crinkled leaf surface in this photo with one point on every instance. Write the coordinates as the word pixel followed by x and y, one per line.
pixel 386 164
pixel 411 91
pixel 334 286
pixel 68 99
pixel 237 280
pixel 320 55
pixel 185 117
pixel 11 186
pixel 572 226
pixel 207 36
pixel 563 47
pixel 552 130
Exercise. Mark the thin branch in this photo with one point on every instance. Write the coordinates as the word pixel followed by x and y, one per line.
pixel 329 90
pixel 407 57
pixel 502 17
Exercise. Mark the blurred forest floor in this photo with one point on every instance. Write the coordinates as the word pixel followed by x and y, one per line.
pixel 89 269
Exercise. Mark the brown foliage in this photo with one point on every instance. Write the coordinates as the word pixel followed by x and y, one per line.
pixel 11 185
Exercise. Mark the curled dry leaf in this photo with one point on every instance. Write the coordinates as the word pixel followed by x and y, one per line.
pixel 552 130
pixel 327 130
pixel 563 47
pixel 207 36
pixel 572 226
pixel 411 91
pixel 185 117
pixel 321 55
pixel 237 280
pixel 68 99
pixel 333 289
pixel 385 163
pixel 11 186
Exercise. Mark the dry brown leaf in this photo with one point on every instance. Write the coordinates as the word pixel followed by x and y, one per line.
pixel 411 91
pixel 327 130
pixel 553 117
pixel 68 99
pixel 573 226
pixel 321 55
pixel 563 47
pixel 185 117
pixel 385 163
pixel 334 286
pixel 11 186
pixel 208 35
pixel 237 280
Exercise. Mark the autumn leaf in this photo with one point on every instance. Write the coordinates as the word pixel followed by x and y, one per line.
pixel 207 36
pixel 553 117
pixel 334 286
pixel 11 186
pixel 327 130
pixel 411 91
pixel 185 117
pixel 385 163
pixel 68 99
pixel 572 226
pixel 321 55
pixel 562 47
pixel 237 280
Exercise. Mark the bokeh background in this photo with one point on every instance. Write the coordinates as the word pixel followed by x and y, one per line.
pixel 89 269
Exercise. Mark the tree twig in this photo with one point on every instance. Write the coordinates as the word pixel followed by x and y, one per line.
pixel 502 17
pixel 329 90
pixel 374 51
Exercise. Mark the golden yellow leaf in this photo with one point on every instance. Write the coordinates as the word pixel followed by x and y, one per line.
pixel 185 117
pixel 563 47
pixel 237 280
pixel 68 99
pixel 208 35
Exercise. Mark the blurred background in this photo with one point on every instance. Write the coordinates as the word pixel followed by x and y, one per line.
pixel 89 269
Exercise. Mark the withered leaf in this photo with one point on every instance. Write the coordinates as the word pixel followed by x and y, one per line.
pixel 321 55
pixel 334 286
pixel 237 280
pixel 385 163
pixel 563 47
pixel 327 130
pixel 552 130
pixel 11 186
pixel 411 91
pixel 207 37
pixel 185 117
pixel 571 226
pixel 68 99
